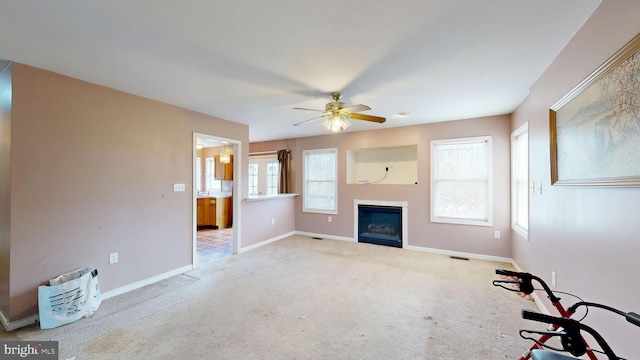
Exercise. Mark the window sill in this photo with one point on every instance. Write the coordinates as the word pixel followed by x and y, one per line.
pixel 318 211
pixel 270 197
pixel 461 222
pixel 522 232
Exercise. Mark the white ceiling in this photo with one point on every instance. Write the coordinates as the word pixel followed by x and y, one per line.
pixel 252 61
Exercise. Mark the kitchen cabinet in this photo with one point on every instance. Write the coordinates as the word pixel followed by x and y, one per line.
pixel 223 171
pixel 224 212
pixel 206 212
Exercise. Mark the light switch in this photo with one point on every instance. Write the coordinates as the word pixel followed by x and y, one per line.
pixel 179 187
pixel 539 188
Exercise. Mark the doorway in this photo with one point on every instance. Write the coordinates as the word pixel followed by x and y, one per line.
pixel 215 179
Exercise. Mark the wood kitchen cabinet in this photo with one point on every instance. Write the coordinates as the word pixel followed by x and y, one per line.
pixel 223 171
pixel 223 212
pixel 206 212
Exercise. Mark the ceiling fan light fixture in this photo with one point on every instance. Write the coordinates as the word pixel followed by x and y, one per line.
pixel 337 112
pixel 336 123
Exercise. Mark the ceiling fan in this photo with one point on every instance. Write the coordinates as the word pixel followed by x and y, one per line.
pixel 337 112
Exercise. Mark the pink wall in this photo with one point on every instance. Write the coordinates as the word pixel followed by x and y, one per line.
pixel 5 183
pixel 257 216
pixel 92 172
pixel 422 232
pixel 587 235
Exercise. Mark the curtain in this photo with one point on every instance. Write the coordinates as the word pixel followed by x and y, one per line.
pixel 284 158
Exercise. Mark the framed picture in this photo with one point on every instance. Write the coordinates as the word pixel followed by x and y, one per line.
pixel 595 128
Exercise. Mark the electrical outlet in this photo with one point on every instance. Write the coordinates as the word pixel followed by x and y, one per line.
pixel 113 258
pixel 179 187
pixel 554 279
pixel 273 221
pixel 329 219
pixel 497 234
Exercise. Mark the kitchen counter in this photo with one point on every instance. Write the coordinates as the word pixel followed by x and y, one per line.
pixel 216 195
pixel 269 197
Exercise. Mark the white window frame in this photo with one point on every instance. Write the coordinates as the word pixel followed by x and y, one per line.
pixel 262 161
pixel 209 169
pixel 254 173
pixel 272 178
pixel 487 219
pixel 516 181
pixel 198 174
pixel 211 184
pixel 305 192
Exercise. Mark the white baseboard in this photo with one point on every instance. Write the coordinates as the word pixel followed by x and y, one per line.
pixel 142 283
pixel 536 299
pixel 12 325
pixel 460 254
pixel 265 242
pixel 324 236
pixel 415 248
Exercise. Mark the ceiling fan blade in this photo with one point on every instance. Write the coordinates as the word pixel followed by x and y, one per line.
pixel 306 121
pixel 297 108
pixel 356 108
pixel 368 118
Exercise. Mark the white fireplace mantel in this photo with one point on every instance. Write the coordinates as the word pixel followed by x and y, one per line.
pixel 403 204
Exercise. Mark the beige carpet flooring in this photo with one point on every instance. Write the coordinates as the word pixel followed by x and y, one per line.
pixel 300 298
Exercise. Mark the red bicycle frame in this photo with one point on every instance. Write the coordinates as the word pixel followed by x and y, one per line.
pixel 525 286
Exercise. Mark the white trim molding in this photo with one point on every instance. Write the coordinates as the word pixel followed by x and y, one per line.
pixel 13 325
pixel 405 216
pixel 142 283
pixel 460 254
pixel 325 236
pixel 265 242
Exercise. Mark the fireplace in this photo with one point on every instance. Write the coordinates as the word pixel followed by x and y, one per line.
pixel 380 223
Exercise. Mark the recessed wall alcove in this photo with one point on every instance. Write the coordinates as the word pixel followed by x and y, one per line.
pixel 387 165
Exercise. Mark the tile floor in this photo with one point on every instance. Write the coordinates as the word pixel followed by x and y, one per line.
pixel 214 244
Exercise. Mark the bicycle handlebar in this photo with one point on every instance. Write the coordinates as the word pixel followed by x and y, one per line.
pixel 570 337
pixel 570 333
pixel 631 317
pixel 508 272
pixel 525 282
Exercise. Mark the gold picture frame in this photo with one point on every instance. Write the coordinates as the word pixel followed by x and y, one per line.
pixel 595 128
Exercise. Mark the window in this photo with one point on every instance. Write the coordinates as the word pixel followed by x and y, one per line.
pixel 264 175
pixel 520 180
pixel 461 181
pixel 198 174
pixel 320 191
pixel 253 179
pixel 209 175
pixel 273 175
pixel 210 179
